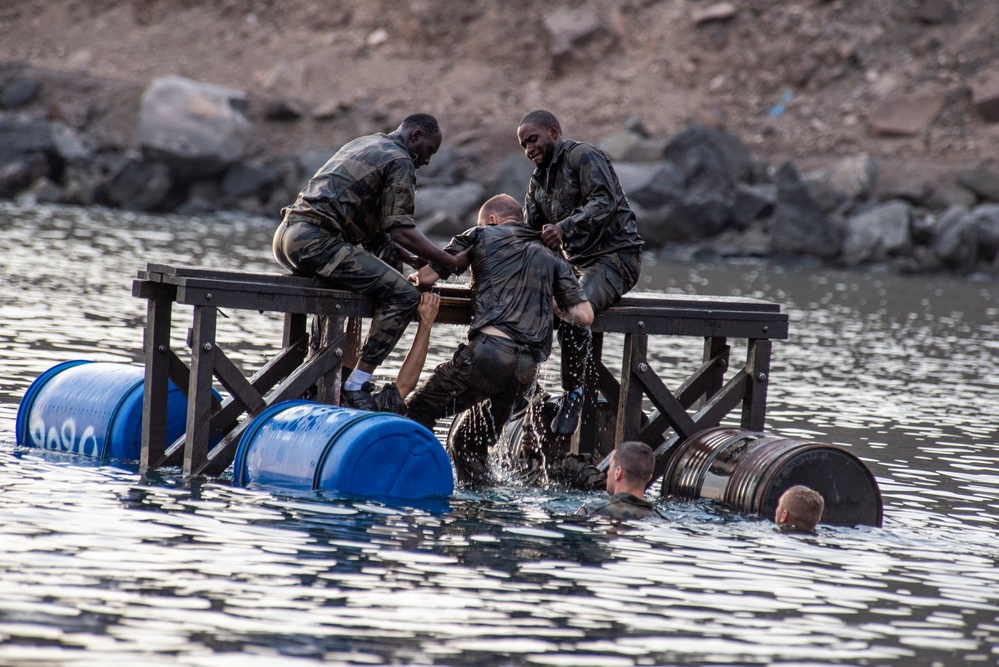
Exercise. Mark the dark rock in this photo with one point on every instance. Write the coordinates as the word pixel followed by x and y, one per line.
pixel 955 241
pixel 19 173
pixel 283 110
pixel 244 180
pixel 712 161
pixel 19 136
pixel 140 185
pixel 697 217
pixel 651 185
pixel 751 203
pixel 986 219
pixel 444 169
pixel 914 192
pixel 982 181
pixel 448 210
pixel 801 227
pixel 18 94
pixel 922 228
pixel 945 194
pixel 701 216
pixel 512 178
pixel 878 233
pixel 43 190
pixel 935 12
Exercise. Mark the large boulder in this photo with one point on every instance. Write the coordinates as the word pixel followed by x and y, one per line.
pixel 955 239
pixel 199 129
pixel 878 233
pixel 801 227
pixel 712 161
pixel 986 219
pixel 651 185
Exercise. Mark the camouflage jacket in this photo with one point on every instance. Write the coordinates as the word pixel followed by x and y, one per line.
pixel 619 506
pixel 368 187
pixel 580 192
pixel 514 277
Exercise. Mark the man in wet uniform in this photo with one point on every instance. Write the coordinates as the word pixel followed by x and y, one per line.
pixel 629 471
pixel 515 279
pixel 366 191
pixel 799 509
pixel 575 200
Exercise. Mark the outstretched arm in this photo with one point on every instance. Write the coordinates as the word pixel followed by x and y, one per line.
pixel 413 240
pixel 412 366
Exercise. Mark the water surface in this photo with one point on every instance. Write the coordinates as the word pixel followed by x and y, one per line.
pixel 103 565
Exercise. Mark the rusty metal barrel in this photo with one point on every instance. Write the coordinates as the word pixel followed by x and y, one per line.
pixel 749 470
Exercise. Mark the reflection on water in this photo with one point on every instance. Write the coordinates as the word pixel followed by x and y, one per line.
pixel 103 565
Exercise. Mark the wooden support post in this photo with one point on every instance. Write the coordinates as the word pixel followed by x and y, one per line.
pixel 331 334
pixel 629 408
pixel 156 348
pixel 754 407
pixel 295 328
pixel 716 347
pixel 199 398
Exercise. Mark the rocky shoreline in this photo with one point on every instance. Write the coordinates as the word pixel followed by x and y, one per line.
pixel 188 152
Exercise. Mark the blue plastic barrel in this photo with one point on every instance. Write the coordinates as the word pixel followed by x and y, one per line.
pixel 304 445
pixel 93 409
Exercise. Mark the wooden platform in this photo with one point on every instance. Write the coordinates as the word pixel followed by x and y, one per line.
pixel 712 391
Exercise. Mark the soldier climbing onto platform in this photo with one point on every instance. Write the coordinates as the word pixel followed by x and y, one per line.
pixel 364 192
pixel 575 200
pixel 515 280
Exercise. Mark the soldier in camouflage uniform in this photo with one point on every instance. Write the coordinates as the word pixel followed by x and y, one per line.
pixel 575 200
pixel 628 473
pixel 363 194
pixel 514 279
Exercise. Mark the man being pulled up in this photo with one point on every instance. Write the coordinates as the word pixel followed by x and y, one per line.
pixel 514 280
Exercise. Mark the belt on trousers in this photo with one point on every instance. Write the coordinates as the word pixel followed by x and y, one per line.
pixel 510 344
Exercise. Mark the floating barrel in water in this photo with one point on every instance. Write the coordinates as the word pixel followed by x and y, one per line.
pixel 92 408
pixel 306 445
pixel 750 470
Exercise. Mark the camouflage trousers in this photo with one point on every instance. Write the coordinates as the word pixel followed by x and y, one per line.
pixel 604 282
pixel 487 368
pixel 318 252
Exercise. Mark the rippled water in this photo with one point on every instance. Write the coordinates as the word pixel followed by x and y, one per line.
pixel 103 565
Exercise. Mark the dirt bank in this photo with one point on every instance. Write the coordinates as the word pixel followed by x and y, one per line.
pixel 797 80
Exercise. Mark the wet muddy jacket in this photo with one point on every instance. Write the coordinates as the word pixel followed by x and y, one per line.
pixel 367 188
pixel 514 277
pixel 580 192
pixel 619 506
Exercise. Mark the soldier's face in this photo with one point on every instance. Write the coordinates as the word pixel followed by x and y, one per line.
pixel 423 146
pixel 538 143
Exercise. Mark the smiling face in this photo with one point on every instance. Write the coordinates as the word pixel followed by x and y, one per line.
pixel 539 143
pixel 423 146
